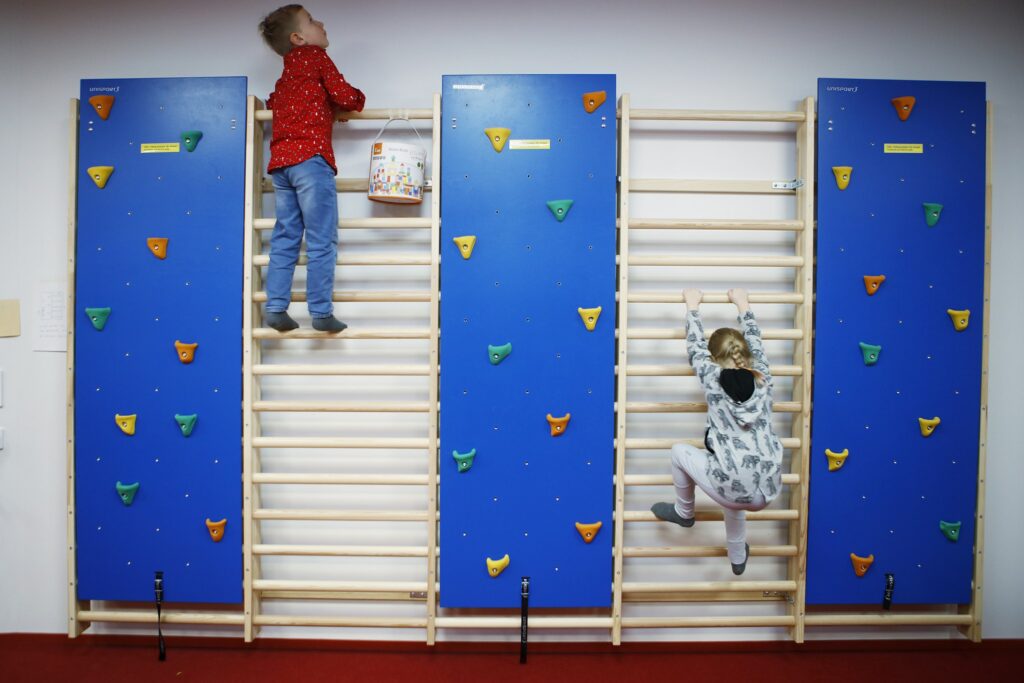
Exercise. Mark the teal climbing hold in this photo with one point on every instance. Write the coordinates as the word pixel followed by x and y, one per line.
pixel 950 530
pixel 191 138
pixel 464 460
pixel 498 353
pixel 870 352
pixel 187 423
pixel 127 492
pixel 931 213
pixel 98 316
pixel 560 208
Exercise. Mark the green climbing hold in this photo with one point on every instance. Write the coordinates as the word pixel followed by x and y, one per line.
pixel 950 530
pixel 498 353
pixel 98 316
pixel 931 213
pixel 191 138
pixel 560 208
pixel 127 492
pixel 870 352
pixel 187 423
pixel 464 460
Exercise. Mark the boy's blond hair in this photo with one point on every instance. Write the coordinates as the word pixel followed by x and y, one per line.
pixel 278 26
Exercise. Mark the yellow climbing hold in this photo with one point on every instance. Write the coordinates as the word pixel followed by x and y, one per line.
pixel 216 529
pixel 861 565
pixel 157 245
pixel 186 352
pixel 590 316
pixel 959 318
pixel 497 136
pixel 558 424
pixel 593 100
pixel 842 174
pixel 495 567
pixel 588 531
pixel 836 460
pixel 928 426
pixel 100 174
pixel 102 104
pixel 126 423
pixel 466 244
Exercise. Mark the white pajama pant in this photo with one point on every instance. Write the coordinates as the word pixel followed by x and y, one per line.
pixel 690 467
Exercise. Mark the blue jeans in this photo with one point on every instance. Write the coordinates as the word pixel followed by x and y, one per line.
pixel 306 200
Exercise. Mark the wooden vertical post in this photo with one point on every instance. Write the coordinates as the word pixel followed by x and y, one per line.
pixel 75 627
pixel 802 357
pixel 620 362
pixel 432 426
pixel 975 608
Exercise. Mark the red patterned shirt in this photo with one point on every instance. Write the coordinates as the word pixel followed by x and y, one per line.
pixel 304 100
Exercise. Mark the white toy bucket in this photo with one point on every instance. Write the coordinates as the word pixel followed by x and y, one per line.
pixel 396 169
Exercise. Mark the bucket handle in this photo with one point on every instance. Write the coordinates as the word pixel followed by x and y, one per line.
pixel 399 118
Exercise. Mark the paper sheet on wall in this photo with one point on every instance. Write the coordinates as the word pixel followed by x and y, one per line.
pixel 50 329
pixel 10 318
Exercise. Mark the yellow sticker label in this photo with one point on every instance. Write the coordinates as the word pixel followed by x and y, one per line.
pixel 529 144
pixel 904 148
pixel 160 147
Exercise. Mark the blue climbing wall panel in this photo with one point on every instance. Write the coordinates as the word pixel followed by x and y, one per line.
pixel 523 283
pixel 195 199
pixel 896 485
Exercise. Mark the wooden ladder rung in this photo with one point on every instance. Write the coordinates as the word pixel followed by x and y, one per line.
pixel 340 407
pixel 341 515
pixel 278 369
pixel 359 223
pixel 706 551
pixel 680 333
pixel 717 516
pixel 696 407
pixel 382 296
pixel 717 261
pixel 715 298
pixel 345 550
pixel 674 185
pixel 360 260
pixel 340 479
pixel 339 442
pixel 788 479
pixel 364 333
pixel 709 586
pixel 665 444
pixel 340 586
pixel 712 224
pixel 637 370
pixel 720 115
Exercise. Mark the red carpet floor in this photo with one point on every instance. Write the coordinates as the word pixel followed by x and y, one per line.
pixel 28 657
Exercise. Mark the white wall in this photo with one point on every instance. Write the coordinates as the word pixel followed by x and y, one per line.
pixel 729 54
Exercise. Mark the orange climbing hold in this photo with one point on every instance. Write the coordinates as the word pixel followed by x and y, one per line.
pixel 588 531
pixel 928 426
pixel 593 100
pixel 102 104
pixel 836 460
pixel 558 424
pixel 861 565
pixel 842 174
pixel 126 423
pixel 872 283
pixel 903 105
pixel 959 318
pixel 157 245
pixel 100 175
pixel 186 352
pixel 216 529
